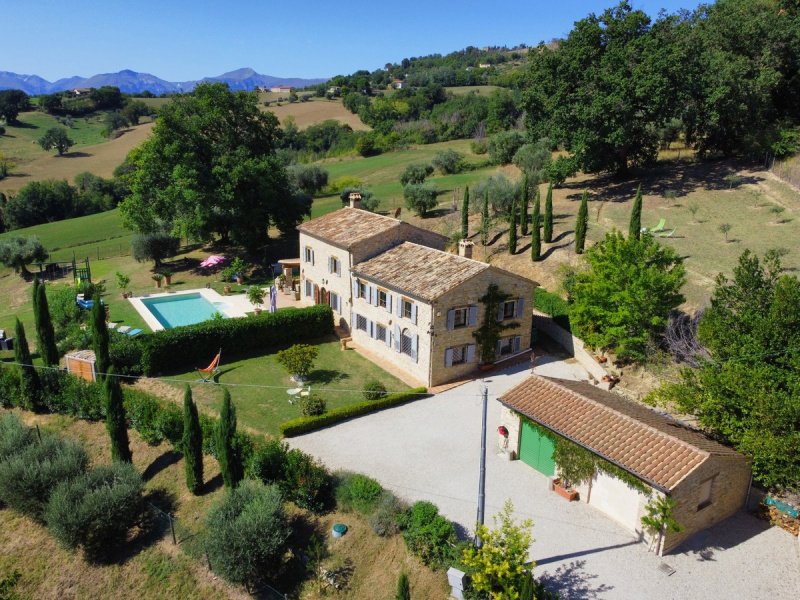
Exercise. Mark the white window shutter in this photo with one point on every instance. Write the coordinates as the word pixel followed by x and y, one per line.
pixel 451 319
pixel 414 313
pixel 339 268
pixel 312 257
pixel 374 296
pixel 389 299
pixel 371 328
pixel 355 289
pixel 397 338
pixel 471 353
pixel 388 337
pixel 473 316
pixel 517 343
pixel 414 347
pixel 330 260
pixel 448 357
pixel 520 307
pixel 399 306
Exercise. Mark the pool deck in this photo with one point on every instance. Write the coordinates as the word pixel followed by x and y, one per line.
pixel 235 306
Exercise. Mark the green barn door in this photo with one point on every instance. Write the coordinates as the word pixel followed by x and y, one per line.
pixel 536 450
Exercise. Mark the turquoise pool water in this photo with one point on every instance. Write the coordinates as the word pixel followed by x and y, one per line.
pixel 181 309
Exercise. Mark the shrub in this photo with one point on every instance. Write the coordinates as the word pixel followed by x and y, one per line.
pixel 172 349
pixel 95 509
pixel 154 419
pixel 313 406
pixel 356 492
pixel 552 305
pixel 479 146
pixel 268 462
pixel 28 477
pixel 247 533
pixel 14 436
pixel 125 354
pixel 154 246
pixel 428 534
pixel 309 178
pixel 415 173
pixel 448 161
pixel 341 183
pixel 420 198
pixel 298 360
pixel 303 425
pixel 560 169
pixel 386 518
pixel 374 390
pixel 306 482
pixel 503 146
pixel 69 395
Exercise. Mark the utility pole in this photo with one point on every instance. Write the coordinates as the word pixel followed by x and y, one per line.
pixel 482 479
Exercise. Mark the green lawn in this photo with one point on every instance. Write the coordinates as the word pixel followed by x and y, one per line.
pixel 338 377
pixel 20 141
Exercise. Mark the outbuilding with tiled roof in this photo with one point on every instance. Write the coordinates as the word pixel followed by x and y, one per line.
pixel 662 456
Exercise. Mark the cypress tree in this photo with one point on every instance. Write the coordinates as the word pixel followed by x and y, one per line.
pixel 548 215
pixel 230 463
pixel 512 229
pixel 485 219
pixel 30 385
pixel 116 422
pixel 582 223
pixel 192 444
pixel 34 292
pixel 635 226
pixel 45 336
pixel 100 339
pixel 536 234
pixel 403 588
pixel 526 199
pixel 465 214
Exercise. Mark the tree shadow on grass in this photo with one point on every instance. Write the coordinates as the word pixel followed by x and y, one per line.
pixel 167 459
pixel 572 582
pixel 325 376
pixel 221 372
pixel 296 572
pixel 552 249
pixel 75 155
pixel 212 485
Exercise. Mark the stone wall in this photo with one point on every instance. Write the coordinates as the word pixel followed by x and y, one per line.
pixel 573 345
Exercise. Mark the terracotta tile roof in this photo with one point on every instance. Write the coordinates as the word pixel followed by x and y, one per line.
pixel 348 226
pixel 651 446
pixel 419 271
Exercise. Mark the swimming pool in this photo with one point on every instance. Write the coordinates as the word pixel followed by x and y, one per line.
pixel 183 309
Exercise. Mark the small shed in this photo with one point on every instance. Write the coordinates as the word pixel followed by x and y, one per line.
pixel 707 481
pixel 81 363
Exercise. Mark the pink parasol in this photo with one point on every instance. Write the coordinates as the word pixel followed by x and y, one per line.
pixel 213 261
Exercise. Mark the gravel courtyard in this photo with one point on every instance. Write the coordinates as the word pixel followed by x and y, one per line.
pixel 429 450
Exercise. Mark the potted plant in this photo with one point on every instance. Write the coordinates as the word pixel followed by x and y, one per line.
pixel 564 489
pixel 157 277
pixel 255 294
pixel 167 276
pixel 123 281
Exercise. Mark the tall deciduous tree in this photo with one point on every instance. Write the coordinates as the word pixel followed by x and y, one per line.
pixel 465 214
pixel 582 223
pixel 622 301
pixel 100 342
pixel 116 421
pixel 635 225
pixel 30 385
pixel 12 102
pixel 192 444
pixel 45 335
pixel 230 461
pixel 209 168
pixel 548 215
pixel 56 138
pixel 525 201
pixel 747 391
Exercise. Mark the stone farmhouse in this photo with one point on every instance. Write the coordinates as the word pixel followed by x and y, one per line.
pixel 403 299
pixel 709 482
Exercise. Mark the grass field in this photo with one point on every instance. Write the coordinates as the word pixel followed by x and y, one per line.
pixel 20 140
pixel 258 385
pixel 152 567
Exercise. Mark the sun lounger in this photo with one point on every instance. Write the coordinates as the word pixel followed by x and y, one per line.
pixel 660 227
pixel 666 234
pixel 134 332
pixel 124 328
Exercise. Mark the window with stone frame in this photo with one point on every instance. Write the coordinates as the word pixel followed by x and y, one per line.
pixel 459 354
pixel 380 332
pixel 460 317
pixel 363 290
pixel 336 266
pixel 309 255
pixel 509 309
pixel 407 308
pixel 506 345
pixel 382 299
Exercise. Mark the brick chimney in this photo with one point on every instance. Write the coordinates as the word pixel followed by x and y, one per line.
pixel 465 248
pixel 355 200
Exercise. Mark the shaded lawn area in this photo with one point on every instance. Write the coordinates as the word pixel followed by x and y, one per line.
pixel 338 377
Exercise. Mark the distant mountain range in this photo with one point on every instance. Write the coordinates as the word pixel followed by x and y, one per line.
pixel 131 82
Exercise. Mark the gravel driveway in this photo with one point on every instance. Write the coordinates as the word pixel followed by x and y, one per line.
pixel 429 450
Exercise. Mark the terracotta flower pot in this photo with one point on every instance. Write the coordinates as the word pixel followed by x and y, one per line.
pixel 567 493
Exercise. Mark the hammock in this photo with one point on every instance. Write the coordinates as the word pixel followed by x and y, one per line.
pixel 211 369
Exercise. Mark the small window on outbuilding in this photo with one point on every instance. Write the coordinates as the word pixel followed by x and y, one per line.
pixel 705 495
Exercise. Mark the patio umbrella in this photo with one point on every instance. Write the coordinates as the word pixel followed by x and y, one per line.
pixel 273 299
pixel 212 261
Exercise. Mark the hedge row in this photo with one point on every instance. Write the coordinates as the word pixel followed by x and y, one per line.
pixel 195 345
pixel 303 425
pixel 553 305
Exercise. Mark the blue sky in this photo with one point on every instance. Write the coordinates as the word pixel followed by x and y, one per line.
pixel 183 40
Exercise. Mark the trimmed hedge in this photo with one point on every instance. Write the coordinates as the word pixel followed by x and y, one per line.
pixel 553 305
pixel 195 345
pixel 303 425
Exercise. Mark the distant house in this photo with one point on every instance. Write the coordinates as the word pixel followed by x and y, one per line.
pixel 707 481
pixel 334 90
pixel 484 65
pixel 398 84
pixel 403 299
pixel 81 91
pixel 281 89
